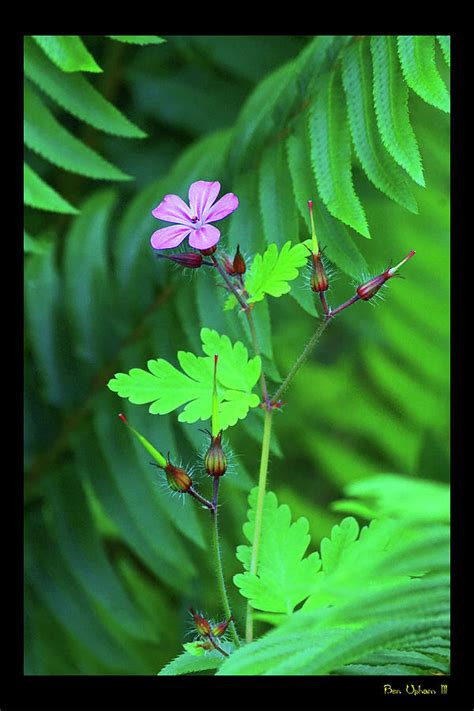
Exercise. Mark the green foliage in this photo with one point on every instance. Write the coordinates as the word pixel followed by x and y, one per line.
pixel 76 95
pixel 383 590
pixel 167 388
pixel 138 39
pixel 54 63
pixel 374 398
pixel 68 52
pixel 270 273
pixel 417 57
pixel 283 579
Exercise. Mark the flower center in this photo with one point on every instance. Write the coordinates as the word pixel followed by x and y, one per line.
pixel 196 222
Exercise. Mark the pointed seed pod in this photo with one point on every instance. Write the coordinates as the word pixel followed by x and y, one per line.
pixel 228 265
pixel 319 281
pixel 201 624
pixel 215 460
pixel 370 288
pixel 239 262
pixel 219 629
pixel 178 479
pixel 191 260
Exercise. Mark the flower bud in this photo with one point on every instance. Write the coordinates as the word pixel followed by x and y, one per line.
pixel 215 460
pixel 370 288
pixel 191 260
pixel 319 281
pixel 208 252
pixel 178 479
pixel 201 624
pixel 239 262
pixel 228 265
pixel 219 629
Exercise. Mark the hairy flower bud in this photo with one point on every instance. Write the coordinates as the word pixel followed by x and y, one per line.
pixel 228 265
pixel 239 262
pixel 367 290
pixel 191 260
pixel 201 624
pixel 219 629
pixel 178 479
pixel 319 281
pixel 215 460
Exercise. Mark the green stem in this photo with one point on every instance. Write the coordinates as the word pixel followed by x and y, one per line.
pixel 262 483
pixel 219 572
pixel 253 333
pixel 301 359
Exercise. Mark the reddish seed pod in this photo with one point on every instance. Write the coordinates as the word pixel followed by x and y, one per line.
pixel 201 624
pixel 370 288
pixel 215 460
pixel 219 629
pixel 228 265
pixel 239 262
pixel 191 260
pixel 319 281
pixel 178 479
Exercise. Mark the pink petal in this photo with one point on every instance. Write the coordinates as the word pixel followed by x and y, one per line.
pixel 201 196
pixel 205 237
pixel 173 209
pixel 223 207
pixel 169 237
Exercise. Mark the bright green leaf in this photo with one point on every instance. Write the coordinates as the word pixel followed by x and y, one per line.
pixel 138 39
pixel 76 95
pixel 331 154
pixel 284 578
pixel 167 388
pixel 44 135
pixel 188 663
pixel 68 52
pixel 270 273
pixel 445 43
pixel 40 195
pixel 417 57
pixel 391 107
pixel 379 166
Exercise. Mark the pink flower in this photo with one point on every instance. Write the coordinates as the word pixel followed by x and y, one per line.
pixel 194 220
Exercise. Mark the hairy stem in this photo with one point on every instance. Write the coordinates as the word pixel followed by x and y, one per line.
pixel 230 286
pixel 218 561
pixel 301 359
pixel 262 483
pixel 201 499
pixel 214 643
pixel 253 333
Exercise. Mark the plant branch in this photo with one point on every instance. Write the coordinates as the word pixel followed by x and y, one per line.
pixel 218 561
pixel 229 284
pixel 262 483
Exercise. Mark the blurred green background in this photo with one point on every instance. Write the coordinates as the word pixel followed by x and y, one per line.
pixel 111 561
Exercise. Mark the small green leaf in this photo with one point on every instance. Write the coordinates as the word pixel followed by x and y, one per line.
pixel 138 39
pixel 44 135
pixel 331 154
pixel 68 52
pixel 284 578
pixel 417 57
pixel 270 273
pixel 76 95
pixel 40 195
pixel 167 388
